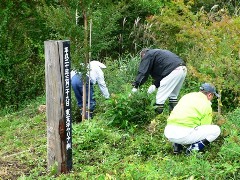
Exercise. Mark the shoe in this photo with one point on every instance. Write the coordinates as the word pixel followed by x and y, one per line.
pixel 192 148
pixel 177 148
pixel 197 147
pixel 159 108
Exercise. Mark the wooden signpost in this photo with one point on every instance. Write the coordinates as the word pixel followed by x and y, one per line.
pixel 58 102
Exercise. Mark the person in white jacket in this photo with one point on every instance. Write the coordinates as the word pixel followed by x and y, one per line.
pixel 96 76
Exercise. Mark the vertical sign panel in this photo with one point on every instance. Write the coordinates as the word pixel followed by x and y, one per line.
pixel 67 103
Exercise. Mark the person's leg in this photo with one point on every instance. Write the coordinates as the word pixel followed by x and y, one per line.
pixel 172 104
pixel 168 85
pixel 208 132
pixel 163 92
pixel 177 148
pixel 182 72
pixel 174 133
pixel 77 88
pixel 92 99
pixel 200 137
pixel 159 108
pixel 211 133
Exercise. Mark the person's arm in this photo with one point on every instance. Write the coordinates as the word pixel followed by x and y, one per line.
pixel 143 71
pixel 102 84
pixel 206 116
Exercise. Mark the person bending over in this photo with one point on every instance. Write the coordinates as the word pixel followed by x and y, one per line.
pixel 96 76
pixel 168 72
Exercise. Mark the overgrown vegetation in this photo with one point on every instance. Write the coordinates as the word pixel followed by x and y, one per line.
pixel 106 151
pixel 125 139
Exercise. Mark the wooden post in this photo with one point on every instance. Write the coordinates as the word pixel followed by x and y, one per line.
pixel 58 102
pixel 86 62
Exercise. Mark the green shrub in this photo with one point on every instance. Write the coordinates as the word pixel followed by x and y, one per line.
pixel 127 109
pixel 21 54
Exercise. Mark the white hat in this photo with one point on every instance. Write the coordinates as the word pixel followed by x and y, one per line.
pixel 97 63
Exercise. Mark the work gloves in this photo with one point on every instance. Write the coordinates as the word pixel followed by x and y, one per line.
pixel 151 89
pixel 134 90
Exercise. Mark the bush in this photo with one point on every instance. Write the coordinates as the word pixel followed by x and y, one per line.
pixel 129 109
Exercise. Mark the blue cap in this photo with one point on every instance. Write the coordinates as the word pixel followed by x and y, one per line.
pixel 207 87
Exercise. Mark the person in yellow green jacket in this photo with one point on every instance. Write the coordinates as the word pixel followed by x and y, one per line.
pixel 190 122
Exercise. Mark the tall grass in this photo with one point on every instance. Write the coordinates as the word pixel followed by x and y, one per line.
pixel 104 150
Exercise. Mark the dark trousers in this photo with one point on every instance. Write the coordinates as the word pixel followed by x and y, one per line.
pixel 77 86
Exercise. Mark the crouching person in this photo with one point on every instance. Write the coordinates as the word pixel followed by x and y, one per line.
pixel 190 121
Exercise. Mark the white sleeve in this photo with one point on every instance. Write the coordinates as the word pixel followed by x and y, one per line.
pixel 102 85
pixel 73 72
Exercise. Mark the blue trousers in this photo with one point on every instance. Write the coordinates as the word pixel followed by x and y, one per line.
pixel 77 86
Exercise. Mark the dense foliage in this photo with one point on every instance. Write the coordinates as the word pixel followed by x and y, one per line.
pixel 104 151
pixel 208 43
pixel 21 56
pixel 206 37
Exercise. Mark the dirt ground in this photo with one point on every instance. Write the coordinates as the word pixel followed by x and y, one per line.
pixel 11 170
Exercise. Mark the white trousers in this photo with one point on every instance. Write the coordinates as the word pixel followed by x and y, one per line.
pixel 170 85
pixel 184 135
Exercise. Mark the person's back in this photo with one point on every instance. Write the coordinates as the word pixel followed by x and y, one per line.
pixel 193 109
pixel 164 62
pixel 97 76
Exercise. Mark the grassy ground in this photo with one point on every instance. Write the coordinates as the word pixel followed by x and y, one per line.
pixel 23 141
pixel 104 152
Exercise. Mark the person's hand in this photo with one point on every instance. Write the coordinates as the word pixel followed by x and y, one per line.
pixel 151 89
pixel 107 96
pixel 134 90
